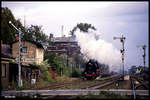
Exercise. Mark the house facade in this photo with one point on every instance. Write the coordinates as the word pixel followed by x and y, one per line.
pixel 31 56
pixel 8 69
pixel 31 52
pixel 63 45
pixel 5 68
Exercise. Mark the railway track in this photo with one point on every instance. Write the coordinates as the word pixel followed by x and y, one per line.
pixel 96 85
pixel 101 84
pixel 57 86
pixel 141 82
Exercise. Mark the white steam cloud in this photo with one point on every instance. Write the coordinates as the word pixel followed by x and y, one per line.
pixel 92 47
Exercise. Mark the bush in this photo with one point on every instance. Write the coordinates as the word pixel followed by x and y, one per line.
pixel 26 85
pixel 47 76
pixel 76 72
pixel 63 79
pixel 66 71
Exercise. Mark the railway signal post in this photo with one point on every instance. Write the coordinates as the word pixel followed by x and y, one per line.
pixel 122 40
pixel 19 62
pixel 144 48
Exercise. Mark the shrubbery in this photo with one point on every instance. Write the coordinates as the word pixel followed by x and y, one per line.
pixel 76 72
pixel 46 75
pixel 63 65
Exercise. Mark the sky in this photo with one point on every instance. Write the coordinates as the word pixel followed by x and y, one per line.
pixel 129 19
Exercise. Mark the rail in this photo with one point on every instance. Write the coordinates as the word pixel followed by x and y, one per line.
pixel 134 86
pixel 103 83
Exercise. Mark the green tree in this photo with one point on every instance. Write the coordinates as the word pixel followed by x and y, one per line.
pixel 61 65
pixel 28 33
pixel 35 32
pixel 50 57
pixel 7 31
pixel 84 27
pixel 76 72
pixel 78 60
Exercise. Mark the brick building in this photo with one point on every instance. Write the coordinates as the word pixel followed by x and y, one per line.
pixel 63 45
pixel 32 54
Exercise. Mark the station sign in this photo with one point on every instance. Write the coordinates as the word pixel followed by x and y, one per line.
pixel 26 59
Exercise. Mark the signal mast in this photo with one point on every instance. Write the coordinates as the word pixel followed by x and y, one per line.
pixel 122 40
pixel 144 48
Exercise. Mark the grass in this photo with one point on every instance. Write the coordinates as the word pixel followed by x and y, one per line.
pixel 84 84
pixel 43 83
pixel 81 85
pixel 64 79
pixel 103 95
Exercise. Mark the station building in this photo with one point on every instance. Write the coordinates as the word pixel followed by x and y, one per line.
pixel 32 54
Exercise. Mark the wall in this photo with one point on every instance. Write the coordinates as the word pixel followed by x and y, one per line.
pixel 39 55
pixel 5 79
pixel 31 52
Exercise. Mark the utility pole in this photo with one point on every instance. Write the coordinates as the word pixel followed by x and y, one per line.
pixel 19 49
pixel 25 23
pixel 62 31
pixel 144 48
pixel 67 54
pixel 122 40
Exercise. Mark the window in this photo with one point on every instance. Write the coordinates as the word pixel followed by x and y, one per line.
pixel 24 50
pixel 4 70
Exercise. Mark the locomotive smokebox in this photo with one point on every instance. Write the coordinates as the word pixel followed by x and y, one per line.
pixel 91 70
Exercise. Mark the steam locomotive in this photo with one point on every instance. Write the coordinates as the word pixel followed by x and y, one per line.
pixel 91 70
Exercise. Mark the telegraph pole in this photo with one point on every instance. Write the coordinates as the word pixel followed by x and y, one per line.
pixel 19 49
pixel 144 48
pixel 62 31
pixel 122 40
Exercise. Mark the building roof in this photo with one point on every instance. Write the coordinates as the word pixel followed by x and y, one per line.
pixel 39 45
pixel 63 39
pixel 3 55
pixel 27 65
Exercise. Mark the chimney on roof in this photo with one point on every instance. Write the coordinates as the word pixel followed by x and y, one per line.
pixel 50 36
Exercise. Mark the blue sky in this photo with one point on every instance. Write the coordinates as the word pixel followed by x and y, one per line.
pixel 110 18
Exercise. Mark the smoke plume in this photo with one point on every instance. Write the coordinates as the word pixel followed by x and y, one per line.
pixel 93 47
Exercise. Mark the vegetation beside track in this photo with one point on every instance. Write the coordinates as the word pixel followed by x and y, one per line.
pixel 103 95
